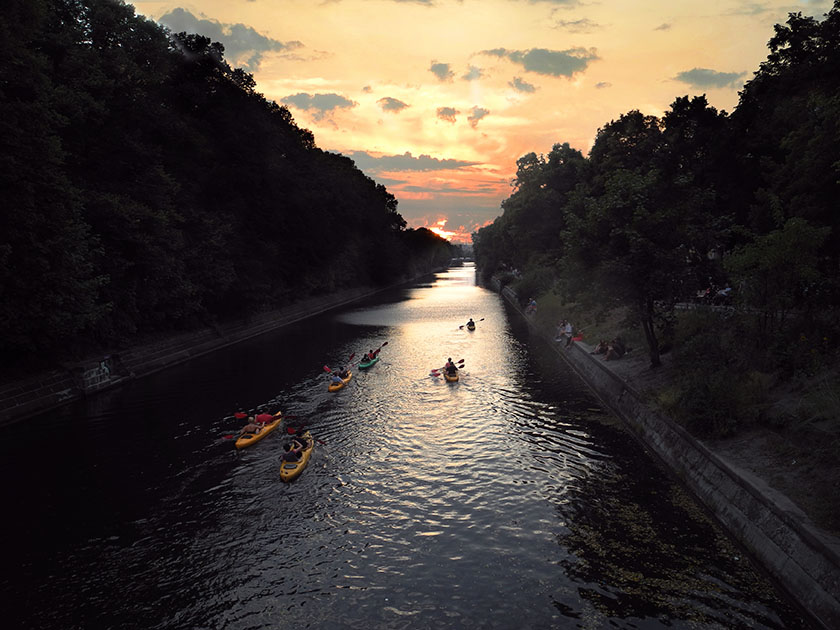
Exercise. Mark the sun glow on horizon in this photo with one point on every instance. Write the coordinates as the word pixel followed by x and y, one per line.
pixel 450 95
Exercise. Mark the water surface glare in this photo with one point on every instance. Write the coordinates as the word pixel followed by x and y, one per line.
pixel 510 499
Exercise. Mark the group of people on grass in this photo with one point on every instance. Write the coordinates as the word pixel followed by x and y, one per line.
pixel 564 331
pixel 614 349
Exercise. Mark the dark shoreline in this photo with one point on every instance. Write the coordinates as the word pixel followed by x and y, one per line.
pixel 801 558
pixel 44 391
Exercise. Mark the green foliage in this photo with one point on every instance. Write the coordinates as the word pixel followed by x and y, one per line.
pixel 534 283
pixel 645 220
pixel 148 186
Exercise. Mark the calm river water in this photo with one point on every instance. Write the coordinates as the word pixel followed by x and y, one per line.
pixel 508 500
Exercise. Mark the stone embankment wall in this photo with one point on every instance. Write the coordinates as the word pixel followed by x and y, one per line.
pixel 42 392
pixel 800 558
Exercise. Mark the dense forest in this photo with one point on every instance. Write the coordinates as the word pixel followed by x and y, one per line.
pixel 147 187
pixel 664 209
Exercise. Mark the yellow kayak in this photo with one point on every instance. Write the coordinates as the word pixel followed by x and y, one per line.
pixel 246 439
pixel 334 387
pixel 289 471
pixel 452 378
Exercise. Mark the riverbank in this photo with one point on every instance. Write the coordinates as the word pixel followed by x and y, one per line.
pixel 728 477
pixel 48 390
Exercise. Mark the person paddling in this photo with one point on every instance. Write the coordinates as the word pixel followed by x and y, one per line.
pixel 450 367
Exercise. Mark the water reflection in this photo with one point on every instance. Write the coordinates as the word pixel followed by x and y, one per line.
pixel 509 499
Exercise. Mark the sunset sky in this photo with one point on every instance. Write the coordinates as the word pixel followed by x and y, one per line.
pixel 437 99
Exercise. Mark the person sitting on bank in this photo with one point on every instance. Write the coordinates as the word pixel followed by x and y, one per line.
pixel 601 348
pixel 615 350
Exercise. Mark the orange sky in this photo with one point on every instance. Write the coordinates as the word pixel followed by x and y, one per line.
pixel 437 99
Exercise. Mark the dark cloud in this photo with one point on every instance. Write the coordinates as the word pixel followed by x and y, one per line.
pixel 583 25
pixel 663 27
pixel 442 71
pixel 602 84
pixel 555 63
pixel 704 78
pixel 522 86
pixel 405 162
pixel 476 114
pixel 367 89
pixel 473 73
pixel 389 104
pixel 321 104
pixel 447 113
pixel 244 46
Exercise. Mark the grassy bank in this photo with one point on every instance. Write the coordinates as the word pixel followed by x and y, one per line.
pixel 775 409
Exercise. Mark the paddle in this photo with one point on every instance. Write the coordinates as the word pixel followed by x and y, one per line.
pixel 462 325
pixel 293 431
pixel 276 415
pixel 435 371
pixel 327 369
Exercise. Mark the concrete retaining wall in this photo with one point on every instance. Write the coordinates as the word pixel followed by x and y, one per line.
pixel 43 392
pixel 800 558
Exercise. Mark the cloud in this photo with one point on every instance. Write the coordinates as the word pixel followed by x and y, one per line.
pixel 663 27
pixel 244 46
pixel 476 114
pixel 522 86
pixel 405 162
pixel 322 104
pixel 750 8
pixel 583 25
pixel 367 89
pixel 602 84
pixel 473 73
pixel 389 104
pixel 553 63
pixel 705 78
pixel 442 71
pixel 447 113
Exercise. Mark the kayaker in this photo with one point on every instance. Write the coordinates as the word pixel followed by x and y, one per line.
pixel 344 372
pixel 471 323
pixel 450 367
pixel 293 450
pixel 371 355
pixel 251 427
pixel 336 378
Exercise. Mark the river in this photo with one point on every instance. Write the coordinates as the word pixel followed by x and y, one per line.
pixel 510 499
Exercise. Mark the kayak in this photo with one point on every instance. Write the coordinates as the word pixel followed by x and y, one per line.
pixel 289 471
pixel 246 439
pixel 334 387
pixel 470 326
pixel 369 363
pixel 453 378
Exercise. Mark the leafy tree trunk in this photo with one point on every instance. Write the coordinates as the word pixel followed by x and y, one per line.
pixel 646 311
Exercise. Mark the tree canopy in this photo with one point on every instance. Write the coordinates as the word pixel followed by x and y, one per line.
pixel 662 207
pixel 147 186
